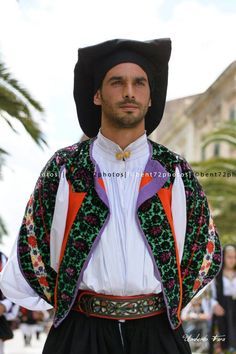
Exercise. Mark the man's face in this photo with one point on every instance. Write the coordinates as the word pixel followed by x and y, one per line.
pixel 124 96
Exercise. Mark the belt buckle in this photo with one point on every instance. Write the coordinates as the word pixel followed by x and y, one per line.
pixel 87 304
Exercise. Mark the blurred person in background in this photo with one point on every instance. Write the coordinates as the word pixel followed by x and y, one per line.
pixel 31 323
pixel 8 312
pixel 224 304
pixel 196 317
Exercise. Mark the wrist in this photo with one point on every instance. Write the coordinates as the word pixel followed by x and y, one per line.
pixel 2 309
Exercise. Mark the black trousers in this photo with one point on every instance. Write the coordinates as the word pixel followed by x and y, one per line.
pixel 224 326
pixel 79 334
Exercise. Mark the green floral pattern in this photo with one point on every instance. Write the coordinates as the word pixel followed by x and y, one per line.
pixel 91 218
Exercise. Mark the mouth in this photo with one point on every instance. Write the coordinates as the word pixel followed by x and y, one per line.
pixel 129 107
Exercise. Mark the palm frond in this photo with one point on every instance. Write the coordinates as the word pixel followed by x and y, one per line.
pixel 3 229
pixel 219 165
pixel 219 137
pixel 13 83
pixel 16 108
pixel 224 132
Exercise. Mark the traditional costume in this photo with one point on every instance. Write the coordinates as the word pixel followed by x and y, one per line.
pixel 118 242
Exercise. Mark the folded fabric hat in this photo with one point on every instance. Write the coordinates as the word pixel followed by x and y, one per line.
pixel 95 61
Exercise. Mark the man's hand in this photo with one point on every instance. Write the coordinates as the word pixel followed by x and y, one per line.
pixel 2 309
pixel 218 310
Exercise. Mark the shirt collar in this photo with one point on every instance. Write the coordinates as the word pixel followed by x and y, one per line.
pixel 138 148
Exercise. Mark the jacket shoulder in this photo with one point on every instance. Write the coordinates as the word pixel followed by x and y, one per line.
pixel 70 154
pixel 165 155
pixel 72 150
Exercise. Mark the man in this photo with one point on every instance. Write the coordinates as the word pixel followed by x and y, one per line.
pixel 8 311
pixel 117 235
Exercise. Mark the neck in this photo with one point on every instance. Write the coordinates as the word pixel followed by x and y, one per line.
pixel 122 137
pixel 226 269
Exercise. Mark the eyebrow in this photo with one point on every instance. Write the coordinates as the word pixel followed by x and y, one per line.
pixel 138 78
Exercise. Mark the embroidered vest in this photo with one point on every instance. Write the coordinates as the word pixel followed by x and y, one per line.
pixel 88 215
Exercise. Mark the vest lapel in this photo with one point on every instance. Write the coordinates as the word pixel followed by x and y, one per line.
pixel 152 217
pixel 93 215
pixel 85 232
pixel 155 176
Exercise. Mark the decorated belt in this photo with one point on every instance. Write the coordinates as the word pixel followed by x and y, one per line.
pixel 119 307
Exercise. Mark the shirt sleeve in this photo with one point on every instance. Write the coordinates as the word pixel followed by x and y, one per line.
pixel 213 292
pixel 59 220
pixel 13 313
pixel 7 303
pixel 178 208
pixel 16 289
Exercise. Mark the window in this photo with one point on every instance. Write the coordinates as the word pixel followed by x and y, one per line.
pixel 232 114
pixel 217 150
pixel 203 154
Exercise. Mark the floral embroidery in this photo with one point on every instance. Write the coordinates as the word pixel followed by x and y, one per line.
pixel 34 252
pixel 208 257
pixel 37 262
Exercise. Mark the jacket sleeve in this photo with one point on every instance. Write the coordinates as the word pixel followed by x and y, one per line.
pixel 33 245
pixel 202 258
pixel 16 288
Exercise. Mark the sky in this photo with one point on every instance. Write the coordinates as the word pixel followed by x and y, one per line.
pixel 39 41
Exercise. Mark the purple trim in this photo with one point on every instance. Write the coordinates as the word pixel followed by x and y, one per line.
pixel 83 269
pixel 102 194
pixel 159 179
pixel 159 174
pixel 179 167
pixel 100 191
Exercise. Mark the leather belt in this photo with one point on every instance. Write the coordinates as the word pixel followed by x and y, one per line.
pixel 119 307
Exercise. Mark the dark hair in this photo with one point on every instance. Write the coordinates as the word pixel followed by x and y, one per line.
pixel 219 277
pixel 225 250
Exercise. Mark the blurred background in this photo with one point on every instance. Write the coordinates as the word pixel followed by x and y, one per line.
pixel 38 50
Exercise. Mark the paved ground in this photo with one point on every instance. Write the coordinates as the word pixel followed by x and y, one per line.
pixel 16 345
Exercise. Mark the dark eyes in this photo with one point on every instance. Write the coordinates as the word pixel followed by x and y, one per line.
pixel 140 83
pixel 120 82
pixel 116 83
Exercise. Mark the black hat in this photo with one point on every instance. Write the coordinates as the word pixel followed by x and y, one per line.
pixel 93 63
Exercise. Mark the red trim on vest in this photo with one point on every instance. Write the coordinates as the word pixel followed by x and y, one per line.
pixel 165 195
pixel 145 180
pixel 75 201
pixel 101 182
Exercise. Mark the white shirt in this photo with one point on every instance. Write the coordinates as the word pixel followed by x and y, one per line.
pixel 121 263
pixel 229 287
pixel 6 302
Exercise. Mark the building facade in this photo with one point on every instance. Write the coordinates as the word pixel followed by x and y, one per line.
pixel 188 120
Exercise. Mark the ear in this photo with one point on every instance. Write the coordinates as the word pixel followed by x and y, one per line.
pixel 150 103
pixel 97 98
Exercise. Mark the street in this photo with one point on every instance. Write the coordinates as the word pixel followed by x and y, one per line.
pixel 16 345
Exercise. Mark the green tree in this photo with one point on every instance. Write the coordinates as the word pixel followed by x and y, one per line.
pixel 16 104
pixel 220 183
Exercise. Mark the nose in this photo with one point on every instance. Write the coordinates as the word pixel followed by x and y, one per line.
pixel 128 91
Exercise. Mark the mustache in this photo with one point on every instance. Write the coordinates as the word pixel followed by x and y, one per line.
pixel 128 101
